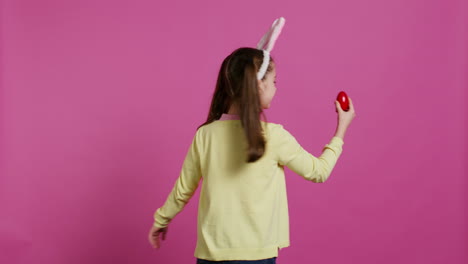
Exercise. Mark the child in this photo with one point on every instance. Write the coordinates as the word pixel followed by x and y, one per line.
pixel 243 210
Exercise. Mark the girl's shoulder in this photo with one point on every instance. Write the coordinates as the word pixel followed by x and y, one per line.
pixel 272 125
pixel 273 129
pixel 268 127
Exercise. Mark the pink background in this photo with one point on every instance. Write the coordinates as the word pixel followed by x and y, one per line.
pixel 100 101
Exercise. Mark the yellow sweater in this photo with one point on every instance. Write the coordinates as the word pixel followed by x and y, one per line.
pixel 243 207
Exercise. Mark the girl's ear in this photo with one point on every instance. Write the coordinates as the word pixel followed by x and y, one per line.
pixel 261 86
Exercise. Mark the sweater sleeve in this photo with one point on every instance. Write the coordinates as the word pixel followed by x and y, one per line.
pixel 292 155
pixel 184 187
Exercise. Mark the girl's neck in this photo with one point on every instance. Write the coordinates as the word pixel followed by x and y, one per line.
pixel 234 114
pixel 233 110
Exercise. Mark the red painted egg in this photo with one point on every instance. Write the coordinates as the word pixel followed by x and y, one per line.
pixel 343 100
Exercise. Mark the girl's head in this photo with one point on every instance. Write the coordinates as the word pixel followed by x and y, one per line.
pixel 237 86
pixel 238 80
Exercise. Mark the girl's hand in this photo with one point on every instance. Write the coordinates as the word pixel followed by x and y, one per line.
pixel 154 235
pixel 345 117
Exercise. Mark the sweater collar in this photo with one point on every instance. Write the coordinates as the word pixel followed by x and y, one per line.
pixel 225 116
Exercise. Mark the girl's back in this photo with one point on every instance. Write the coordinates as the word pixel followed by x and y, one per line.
pixel 243 210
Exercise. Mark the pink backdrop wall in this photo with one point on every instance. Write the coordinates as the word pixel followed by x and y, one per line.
pixel 100 100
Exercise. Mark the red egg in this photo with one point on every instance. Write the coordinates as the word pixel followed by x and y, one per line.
pixel 343 100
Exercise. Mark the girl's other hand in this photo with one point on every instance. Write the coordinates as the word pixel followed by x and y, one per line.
pixel 154 235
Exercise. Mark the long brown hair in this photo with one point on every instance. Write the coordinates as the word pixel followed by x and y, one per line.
pixel 237 84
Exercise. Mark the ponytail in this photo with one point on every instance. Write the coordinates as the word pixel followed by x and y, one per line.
pixel 250 110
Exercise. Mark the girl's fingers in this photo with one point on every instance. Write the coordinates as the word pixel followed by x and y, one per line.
pixel 154 236
pixel 338 107
pixel 154 239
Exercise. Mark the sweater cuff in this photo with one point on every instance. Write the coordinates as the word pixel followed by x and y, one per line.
pixel 158 225
pixel 157 220
pixel 337 140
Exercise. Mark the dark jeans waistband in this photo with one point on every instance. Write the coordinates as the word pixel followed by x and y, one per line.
pixel 260 261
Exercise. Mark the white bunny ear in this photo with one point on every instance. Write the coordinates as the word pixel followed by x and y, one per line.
pixel 261 43
pixel 267 43
pixel 268 40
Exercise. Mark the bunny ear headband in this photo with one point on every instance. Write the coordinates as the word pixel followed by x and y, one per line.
pixel 267 43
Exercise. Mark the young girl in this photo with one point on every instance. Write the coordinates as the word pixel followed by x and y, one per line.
pixel 243 209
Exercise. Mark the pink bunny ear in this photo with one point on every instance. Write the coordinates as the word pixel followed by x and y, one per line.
pixel 268 40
